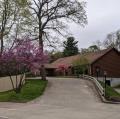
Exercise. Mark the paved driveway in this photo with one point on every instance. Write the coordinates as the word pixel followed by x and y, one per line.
pixel 63 99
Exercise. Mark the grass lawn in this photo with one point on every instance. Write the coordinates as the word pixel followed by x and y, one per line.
pixel 111 93
pixel 31 90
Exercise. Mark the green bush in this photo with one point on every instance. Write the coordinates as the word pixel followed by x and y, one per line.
pixel 80 65
pixel 81 69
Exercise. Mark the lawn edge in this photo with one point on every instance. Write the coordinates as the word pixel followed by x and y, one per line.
pixel 102 98
pixel 25 102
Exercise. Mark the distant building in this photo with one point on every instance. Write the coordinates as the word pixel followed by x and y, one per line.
pixel 107 60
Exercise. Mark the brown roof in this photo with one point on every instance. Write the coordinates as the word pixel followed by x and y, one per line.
pixel 68 61
pixel 50 66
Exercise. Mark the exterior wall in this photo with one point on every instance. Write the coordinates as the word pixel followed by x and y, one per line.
pixel 110 63
pixel 5 83
pixel 114 81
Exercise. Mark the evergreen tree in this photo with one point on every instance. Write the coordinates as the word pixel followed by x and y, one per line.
pixel 70 47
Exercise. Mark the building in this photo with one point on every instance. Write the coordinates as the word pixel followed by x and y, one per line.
pixel 100 62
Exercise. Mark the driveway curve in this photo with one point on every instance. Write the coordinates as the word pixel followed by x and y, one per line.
pixel 67 98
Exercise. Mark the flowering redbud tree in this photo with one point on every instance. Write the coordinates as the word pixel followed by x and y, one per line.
pixel 22 57
pixel 62 69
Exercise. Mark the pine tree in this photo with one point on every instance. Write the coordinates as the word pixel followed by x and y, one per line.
pixel 70 47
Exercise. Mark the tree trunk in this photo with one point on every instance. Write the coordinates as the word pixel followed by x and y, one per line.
pixel 18 90
pixel 41 40
pixel 42 71
pixel 2 45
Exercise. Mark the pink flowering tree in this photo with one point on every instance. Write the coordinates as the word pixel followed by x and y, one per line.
pixel 24 56
pixel 62 69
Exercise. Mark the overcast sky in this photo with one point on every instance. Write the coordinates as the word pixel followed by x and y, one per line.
pixel 103 18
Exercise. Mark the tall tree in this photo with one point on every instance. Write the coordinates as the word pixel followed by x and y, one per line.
pixel 70 47
pixel 42 17
pixel 92 48
pixel 55 55
pixel 49 16
pixel 8 13
pixel 11 19
pixel 113 40
pixel 99 44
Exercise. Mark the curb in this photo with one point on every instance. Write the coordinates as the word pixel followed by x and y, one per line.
pixel 103 99
pixel 109 102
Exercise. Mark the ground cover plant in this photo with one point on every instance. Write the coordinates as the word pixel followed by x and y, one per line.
pixel 31 90
pixel 111 94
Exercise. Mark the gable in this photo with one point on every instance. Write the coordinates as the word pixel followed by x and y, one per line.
pixel 108 53
pixel 109 62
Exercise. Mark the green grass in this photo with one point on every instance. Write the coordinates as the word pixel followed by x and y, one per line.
pixel 31 90
pixel 111 93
